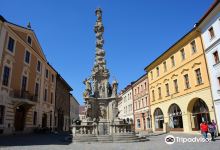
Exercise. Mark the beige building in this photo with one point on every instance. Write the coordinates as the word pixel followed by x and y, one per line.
pixel 179 86
pixel 74 109
pixel 141 104
pixel 27 81
pixel 125 105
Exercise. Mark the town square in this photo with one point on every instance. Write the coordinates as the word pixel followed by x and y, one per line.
pixel 110 74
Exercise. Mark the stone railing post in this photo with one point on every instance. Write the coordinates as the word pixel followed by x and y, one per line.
pixel 74 130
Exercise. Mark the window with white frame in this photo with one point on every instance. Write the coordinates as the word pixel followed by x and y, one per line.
pixel 27 57
pixel 29 40
pixel 38 66
pixel 11 44
pixel 193 46
pixel 6 76
pixel 198 76
pixel 211 33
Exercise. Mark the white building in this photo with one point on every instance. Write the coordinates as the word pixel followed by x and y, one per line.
pixel 210 31
pixel 74 109
pixel 125 105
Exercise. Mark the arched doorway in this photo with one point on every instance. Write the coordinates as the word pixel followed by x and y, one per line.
pixel 19 118
pixel 175 118
pixel 44 120
pixel 200 113
pixel 159 119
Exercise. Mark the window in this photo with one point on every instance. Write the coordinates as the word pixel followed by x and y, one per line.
pixel 145 85
pixel 216 57
pixel 138 123
pixel 219 80
pixel 158 71
pixel 198 76
pixel 11 43
pixel 141 88
pixel 146 100
pixel 47 73
pixel 6 75
pixel 186 79
pixel 24 84
pixel 211 33
pixel 27 57
pixel 139 104
pixel 142 101
pixel 175 86
pixel 29 40
pixel 138 90
pixel 151 73
pixel 37 89
pixel 172 61
pixel 153 96
pixel 193 46
pixel 167 89
pixel 135 91
pixel 165 66
pixel 45 95
pixel 183 54
pixel 52 78
pixel 38 66
pixel 2 112
pixel 159 92
pixel 35 118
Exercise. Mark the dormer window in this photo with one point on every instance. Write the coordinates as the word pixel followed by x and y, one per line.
pixel 29 40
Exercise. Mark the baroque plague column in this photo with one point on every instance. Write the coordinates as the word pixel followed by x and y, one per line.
pixel 100 96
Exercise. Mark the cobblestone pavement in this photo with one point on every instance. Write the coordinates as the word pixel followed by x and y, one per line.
pixel 56 142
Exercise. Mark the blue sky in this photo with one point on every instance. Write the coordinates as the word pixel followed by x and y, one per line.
pixel 136 32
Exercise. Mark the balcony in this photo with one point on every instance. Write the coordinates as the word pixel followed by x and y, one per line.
pixel 24 96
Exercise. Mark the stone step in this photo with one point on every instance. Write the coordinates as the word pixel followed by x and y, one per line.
pixel 124 138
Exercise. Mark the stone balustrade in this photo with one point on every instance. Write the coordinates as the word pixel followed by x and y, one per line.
pixel 121 128
pixel 93 129
pixel 84 130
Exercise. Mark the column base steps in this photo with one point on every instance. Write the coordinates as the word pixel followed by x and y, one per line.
pixel 117 138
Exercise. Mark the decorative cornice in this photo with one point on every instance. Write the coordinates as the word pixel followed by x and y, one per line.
pixel 195 64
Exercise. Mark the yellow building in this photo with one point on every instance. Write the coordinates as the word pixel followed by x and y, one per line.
pixel 179 87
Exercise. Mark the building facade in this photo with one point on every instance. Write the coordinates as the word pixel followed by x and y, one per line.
pixel 74 109
pixel 27 83
pixel 179 86
pixel 62 104
pixel 125 105
pixel 141 104
pixel 210 31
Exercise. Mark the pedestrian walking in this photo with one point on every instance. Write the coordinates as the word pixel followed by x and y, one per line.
pixel 204 129
pixel 211 129
pixel 214 124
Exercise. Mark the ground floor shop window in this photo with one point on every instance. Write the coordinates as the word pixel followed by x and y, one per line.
pixel 199 114
pixel 159 118
pixel 175 117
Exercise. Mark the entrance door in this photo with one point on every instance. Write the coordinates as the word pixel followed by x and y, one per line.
pixel 60 121
pixel 44 121
pixel 19 118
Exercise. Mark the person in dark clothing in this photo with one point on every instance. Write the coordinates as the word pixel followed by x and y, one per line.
pixel 211 128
